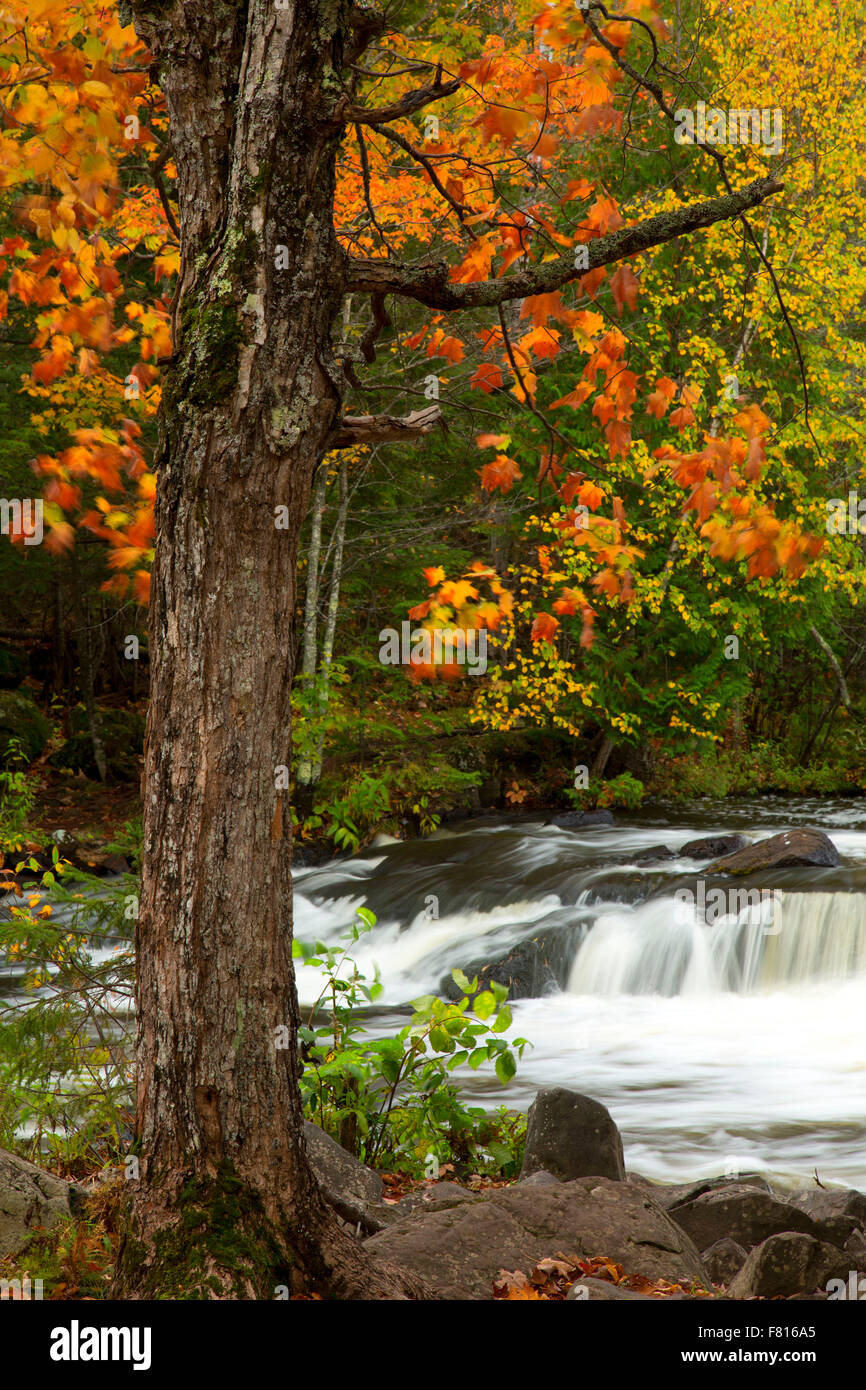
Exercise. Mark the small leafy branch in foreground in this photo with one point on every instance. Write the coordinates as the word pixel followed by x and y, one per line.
pixel 66 1014
pixel 390 1100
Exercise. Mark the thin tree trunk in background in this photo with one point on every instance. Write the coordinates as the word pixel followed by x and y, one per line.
pixel 600 761
pixel 331 620
pixel 86 665
pixel 310 644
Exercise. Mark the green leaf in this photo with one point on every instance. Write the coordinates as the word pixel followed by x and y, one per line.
pixel 477 1057
pixel 503 1020
pixel 366 916
pixel 441 1039
pixel 484 1004
pixel 505 1067
pixel 462 982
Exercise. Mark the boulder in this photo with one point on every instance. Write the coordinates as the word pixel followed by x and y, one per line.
pixel 540 1178
pixel 713 846
pixel 656 854
pixel 786 1264
pixel 353 1190
pixel 30 1198
pixel 439 1196
pixel 571 1136
pixel 744 1214
pixel 794 848
pixel 461 1251
pixel 581 820
pixel 22 723
pixel 671 1195
pixel 534 968
pixel 821 1202
pixel 723 1260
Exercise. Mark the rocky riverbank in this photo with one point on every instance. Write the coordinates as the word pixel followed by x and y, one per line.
pixel 575 1210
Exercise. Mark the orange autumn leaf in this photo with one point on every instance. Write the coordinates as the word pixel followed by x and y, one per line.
pixel 502 473
pixel 544 627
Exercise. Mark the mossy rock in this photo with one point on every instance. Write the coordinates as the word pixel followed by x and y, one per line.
pixel 122 734
pixel 13 667
pixel 21 719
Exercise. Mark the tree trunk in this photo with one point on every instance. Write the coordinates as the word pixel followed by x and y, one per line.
pixel 226 1205
pixel 309 640
pixel 331 620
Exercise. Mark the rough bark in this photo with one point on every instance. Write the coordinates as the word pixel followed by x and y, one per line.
pixel 226 1205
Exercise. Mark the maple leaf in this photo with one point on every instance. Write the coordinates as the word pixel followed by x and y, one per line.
pixel 682 417
pixel 487 377
pixel 624 286
pixel 659 400
pixel 502 473
pixel 544 627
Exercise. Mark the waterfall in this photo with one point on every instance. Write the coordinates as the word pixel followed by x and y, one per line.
pixel 651 949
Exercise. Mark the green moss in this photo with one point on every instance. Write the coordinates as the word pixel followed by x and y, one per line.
pixel 221 1228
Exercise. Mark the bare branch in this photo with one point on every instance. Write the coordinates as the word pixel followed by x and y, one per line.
pixel 428 281
pixel 397 139
pixel 377 429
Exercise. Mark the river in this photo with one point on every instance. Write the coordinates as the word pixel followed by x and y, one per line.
pixel 720 1048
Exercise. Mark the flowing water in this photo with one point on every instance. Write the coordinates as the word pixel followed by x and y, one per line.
pixel 720 1042
pixel 731 1044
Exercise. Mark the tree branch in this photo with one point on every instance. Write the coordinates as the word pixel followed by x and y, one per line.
pixel 428 281
pixel 837 669
pixel 397 139
pixel 406 106
pixel 378 429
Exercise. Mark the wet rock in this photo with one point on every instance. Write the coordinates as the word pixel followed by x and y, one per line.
pixel 713 846
pixel 352 1189
pixel 742 1213
pixel 786 1264
pixel 723 1260
pixel 535 967
pixel 656 854
pixel 794 848
pixel 581 820
pixel 30 1198
pixel 461 1251
pixel 571 1136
